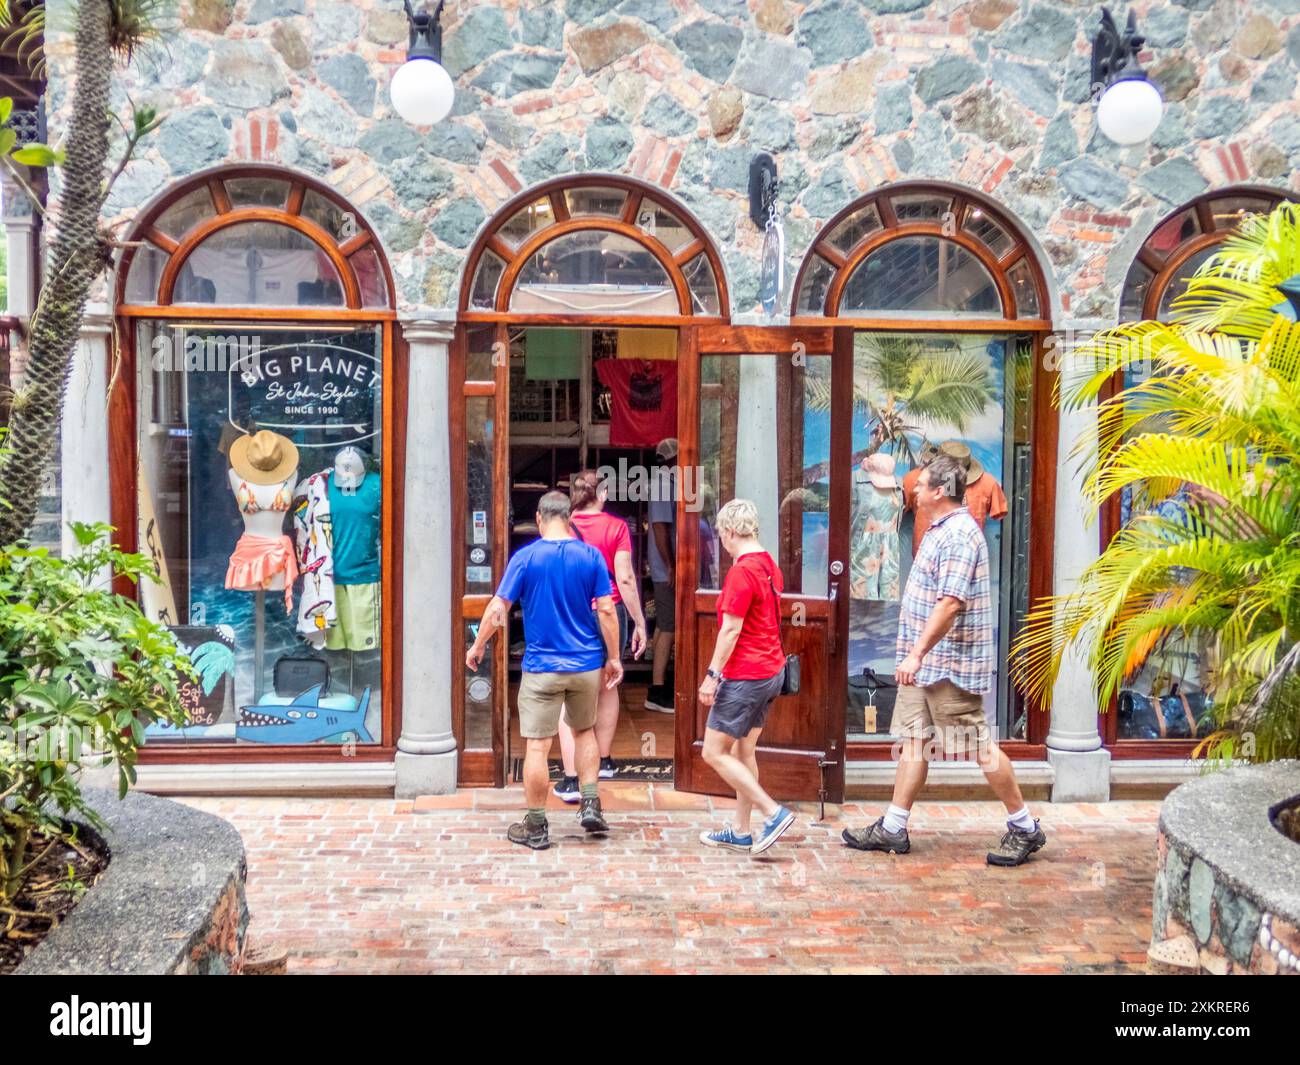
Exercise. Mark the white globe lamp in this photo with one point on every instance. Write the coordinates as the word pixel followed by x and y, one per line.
pixel 422 91
pixel 1130 110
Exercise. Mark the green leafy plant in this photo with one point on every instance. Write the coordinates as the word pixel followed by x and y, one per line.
pixel 1208 447
pixel 82 674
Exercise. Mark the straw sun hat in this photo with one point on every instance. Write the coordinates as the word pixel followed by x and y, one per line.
pixel 264 457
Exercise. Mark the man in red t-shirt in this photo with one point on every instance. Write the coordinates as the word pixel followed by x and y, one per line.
pixel 744 678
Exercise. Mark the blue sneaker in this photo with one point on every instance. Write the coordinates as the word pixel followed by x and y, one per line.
pixel 773 828
pixel 725 837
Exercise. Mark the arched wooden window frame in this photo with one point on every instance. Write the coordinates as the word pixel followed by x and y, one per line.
pixel 845 264
pixel 123 414
pixel 638 192
pixel 225 215
pixel 1165 266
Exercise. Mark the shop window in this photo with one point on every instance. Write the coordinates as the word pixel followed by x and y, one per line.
pixel 526 221
pixel 984 229
pixel 921 275
pixel 259 492
pixel 594 270
pixel 849 233
pixel 704 289
pixel 595 200
pixel 816 283
pixel 483 292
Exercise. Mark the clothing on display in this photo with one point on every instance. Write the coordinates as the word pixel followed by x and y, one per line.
pixel 877 511
pixel 647 344
pixel 355 520
pixel 239 276
pixel 258 560
pixel 317 610
pixel 552 354
pixel 357 618
pixel 643 400
pixel 984 496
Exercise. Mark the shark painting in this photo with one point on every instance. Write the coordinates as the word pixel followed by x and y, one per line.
pixel 303 720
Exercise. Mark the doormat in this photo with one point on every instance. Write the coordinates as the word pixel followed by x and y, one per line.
pixel 646 770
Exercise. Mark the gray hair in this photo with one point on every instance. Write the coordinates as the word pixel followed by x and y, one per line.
pixel 554 505
pixel 949 474
pixel 739 517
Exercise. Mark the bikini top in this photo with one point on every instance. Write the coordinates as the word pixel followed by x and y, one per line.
pixel 246 498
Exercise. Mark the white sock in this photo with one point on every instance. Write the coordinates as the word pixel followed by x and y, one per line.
pixel 1021 820
pixel 896 818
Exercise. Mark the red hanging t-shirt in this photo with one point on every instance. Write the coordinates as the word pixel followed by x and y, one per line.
pixel 748 594
pixel 608 534
pixel 643 400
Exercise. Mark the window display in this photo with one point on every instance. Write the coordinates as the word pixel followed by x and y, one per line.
pixel 261 500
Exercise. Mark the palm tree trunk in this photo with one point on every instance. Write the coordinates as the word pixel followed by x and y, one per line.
pixel 74 263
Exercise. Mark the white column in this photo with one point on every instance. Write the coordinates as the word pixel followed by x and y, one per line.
pixel 20 227
pixel 1080 763
pixel 84 432
pixel 426 750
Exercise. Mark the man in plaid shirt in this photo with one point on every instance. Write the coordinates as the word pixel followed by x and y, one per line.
pixel 945 664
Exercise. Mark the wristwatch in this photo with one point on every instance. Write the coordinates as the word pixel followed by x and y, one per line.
pixel 711 672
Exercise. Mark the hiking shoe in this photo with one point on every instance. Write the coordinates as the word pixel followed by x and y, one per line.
pixel 567 790
pixel 659 698
pixel 608 770
pixel 529 833
pixel 591 817
pixel 1017 845
pixel 726 838
pixel 876 838
pixel 773 828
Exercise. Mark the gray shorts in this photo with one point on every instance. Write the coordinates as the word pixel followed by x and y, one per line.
pixel 665 607
pixel 742 705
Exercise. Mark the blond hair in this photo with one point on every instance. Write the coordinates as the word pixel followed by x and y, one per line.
pixel 739 517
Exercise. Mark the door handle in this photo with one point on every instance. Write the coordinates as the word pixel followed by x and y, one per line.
pixel 833 627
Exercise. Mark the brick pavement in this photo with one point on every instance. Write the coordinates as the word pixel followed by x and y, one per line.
pixel 372 885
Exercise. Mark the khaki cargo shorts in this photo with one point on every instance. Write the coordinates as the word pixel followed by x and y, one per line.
pixel 543 695
pixel 943 714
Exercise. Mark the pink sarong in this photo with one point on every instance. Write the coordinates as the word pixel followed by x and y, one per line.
pixel 258 559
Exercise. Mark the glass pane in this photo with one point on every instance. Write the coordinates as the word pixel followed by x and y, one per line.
pixel 1026 292
pixel 483 295
pixel 1136 286
pixel 230 520
pixel 914 393
pixel 147 265
pixel 980 226
pixel 479 350
pixel 259 264
pixel 921 207
pixel 478 696
pixel 921 275
pixel 340 223
pixel 664 226
pixel 816 282
pixel 1169 235
pixel 187 212
pixel 1229 211
pixel 848 234
pixel 370 277
pixel 704 288
pixel 765 436
pixel 257 192
pixel 479 414
pixel 595 201
pixel 592 271
pixel 1178 283
pixel 526 221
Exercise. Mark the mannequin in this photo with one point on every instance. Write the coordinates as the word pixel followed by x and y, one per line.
pixel 355 501
pixel 263 470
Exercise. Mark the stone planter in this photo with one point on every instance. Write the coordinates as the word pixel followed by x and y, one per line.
pixel 171 901
pixel 1227 890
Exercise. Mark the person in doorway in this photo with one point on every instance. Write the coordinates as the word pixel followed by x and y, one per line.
pixel 569 651
pixel 608 534
pixel 945 664
pixel 663 573
pixel 744 678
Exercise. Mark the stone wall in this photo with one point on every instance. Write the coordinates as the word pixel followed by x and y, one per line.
pixel 849 94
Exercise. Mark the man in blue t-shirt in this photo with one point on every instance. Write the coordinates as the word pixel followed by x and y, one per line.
pixel 570 647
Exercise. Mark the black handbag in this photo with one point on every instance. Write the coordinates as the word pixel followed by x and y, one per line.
pixel 792 676
pixel 293 676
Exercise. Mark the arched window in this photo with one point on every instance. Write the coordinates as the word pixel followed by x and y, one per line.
pixel 594 245
pixel 252 459
pixel 947 304
pixel 1181 244
pixel 922 252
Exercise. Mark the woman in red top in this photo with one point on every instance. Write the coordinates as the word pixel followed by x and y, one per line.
pixel 744 678
pixel 608 534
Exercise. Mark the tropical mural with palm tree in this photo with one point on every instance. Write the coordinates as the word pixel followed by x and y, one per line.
pixel 1205 440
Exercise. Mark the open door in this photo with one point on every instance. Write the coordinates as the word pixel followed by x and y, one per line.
pixel 762 413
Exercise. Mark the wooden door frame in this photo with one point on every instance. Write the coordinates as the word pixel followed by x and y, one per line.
pixel 694 342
